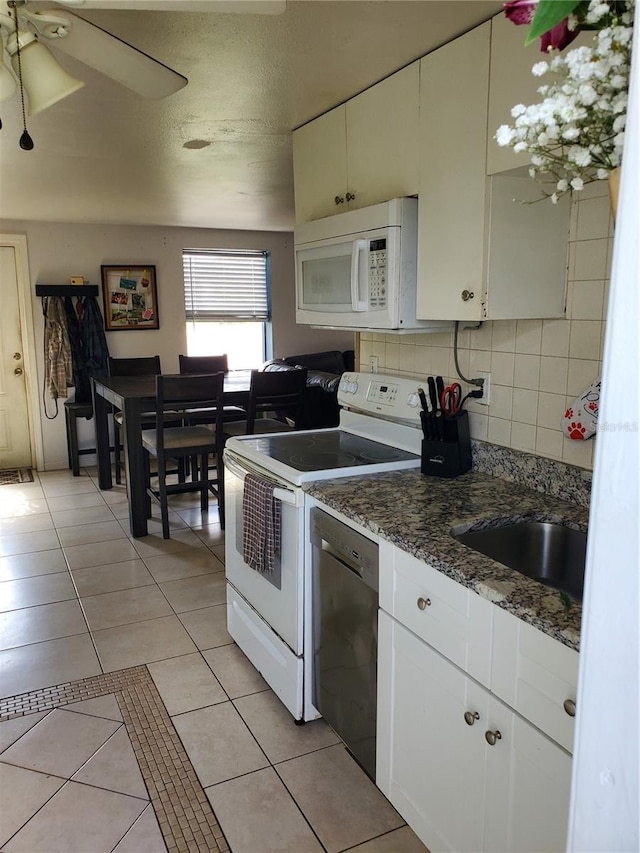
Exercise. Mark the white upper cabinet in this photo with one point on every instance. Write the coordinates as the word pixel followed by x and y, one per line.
pixel 320 166
pixel 361 153
pixel 454 90
pixel 511 82
pixel 382 139
pixel 484 251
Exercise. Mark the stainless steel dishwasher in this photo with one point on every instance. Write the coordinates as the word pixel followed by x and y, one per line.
pixel 345 633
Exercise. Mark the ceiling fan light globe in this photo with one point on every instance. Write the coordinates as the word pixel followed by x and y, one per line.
pixel 7 83
pixel 43 79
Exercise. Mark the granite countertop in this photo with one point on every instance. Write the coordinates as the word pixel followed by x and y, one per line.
pixel 417 513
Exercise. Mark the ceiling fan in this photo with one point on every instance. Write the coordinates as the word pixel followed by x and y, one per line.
pixel 26 29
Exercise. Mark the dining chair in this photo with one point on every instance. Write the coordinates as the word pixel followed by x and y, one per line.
pixel 281 393
pixel 144 366
pixel 180 443
pixel 210 364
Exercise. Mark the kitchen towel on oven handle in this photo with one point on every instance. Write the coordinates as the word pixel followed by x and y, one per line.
pixel 261 516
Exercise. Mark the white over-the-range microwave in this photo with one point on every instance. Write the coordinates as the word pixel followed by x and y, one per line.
pixel 358 270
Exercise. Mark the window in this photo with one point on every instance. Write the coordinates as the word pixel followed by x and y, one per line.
pixel 226 295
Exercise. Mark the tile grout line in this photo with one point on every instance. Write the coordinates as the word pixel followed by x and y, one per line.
pixel 185 816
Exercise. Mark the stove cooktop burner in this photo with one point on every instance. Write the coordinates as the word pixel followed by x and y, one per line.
pixel 326 450
pixel 319 461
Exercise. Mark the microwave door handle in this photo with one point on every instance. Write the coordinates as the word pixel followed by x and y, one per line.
pixel 358 304
pixel 287 496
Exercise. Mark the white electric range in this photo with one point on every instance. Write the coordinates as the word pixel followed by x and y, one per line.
pixel 269 615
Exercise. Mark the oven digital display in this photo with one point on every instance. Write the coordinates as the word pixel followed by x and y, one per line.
pixel 378 245
pixel 382 393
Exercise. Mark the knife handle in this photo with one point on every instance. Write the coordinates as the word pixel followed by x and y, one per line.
pixel 433 394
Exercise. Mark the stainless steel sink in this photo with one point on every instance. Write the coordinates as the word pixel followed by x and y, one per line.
pixel 549 553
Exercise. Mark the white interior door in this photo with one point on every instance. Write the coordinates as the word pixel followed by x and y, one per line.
pixel 15 445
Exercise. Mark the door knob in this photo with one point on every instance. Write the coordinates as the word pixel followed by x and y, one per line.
pixel 470 717
pixel 570 707
pixel 351 196
pixel 18 371
pixel 492 737
pixel 17 356
pixel 467 295
pixel 339 199
pixel 423 603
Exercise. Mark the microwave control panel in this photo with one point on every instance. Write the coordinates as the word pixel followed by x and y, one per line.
pixel 378 273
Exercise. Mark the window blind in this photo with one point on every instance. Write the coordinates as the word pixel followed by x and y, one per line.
pixel 225 285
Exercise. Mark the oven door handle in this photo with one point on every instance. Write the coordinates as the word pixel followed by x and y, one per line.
pixel 290 497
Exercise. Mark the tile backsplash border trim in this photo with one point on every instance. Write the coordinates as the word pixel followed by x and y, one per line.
pixel 540 473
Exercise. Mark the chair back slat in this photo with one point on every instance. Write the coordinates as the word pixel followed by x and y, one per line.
pixel 189 390
pixel 146 366
pixel 193 391
pixel 203 363
pixel 279 392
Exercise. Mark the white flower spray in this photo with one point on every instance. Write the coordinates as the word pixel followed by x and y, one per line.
pixel 575 135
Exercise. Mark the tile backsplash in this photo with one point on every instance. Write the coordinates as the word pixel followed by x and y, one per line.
pixel 538 367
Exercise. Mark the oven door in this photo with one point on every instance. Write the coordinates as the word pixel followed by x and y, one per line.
pixel 278 600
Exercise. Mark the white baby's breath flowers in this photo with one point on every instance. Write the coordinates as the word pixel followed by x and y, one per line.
pixel 575 135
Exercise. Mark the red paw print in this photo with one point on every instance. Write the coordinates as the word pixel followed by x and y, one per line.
pixel 593 407
pixel 569 413
pixel 576 430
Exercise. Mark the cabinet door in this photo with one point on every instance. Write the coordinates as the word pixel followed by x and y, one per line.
pixel 528 788
pixel 511 82
pixel 454 87
pixel 430 763
pixel 382 139
pixel 536 675
pixel 454 620
pixel 320 166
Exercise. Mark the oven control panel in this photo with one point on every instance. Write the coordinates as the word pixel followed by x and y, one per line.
pixel 393 397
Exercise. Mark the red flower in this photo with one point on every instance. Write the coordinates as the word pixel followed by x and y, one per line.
pixel 520 11
pixel 523 12
pixel 558 37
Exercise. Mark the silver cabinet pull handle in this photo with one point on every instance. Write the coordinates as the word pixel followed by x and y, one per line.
pixel 570 707
pixel 470 717
pixel 492 737
pixel 467 295
pixel 423 603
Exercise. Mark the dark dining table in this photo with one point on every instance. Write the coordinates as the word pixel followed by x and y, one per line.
pixel 133 395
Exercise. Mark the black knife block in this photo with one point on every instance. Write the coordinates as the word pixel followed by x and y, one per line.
pixel 451 456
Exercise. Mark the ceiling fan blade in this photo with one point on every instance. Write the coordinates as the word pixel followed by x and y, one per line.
pixel 251 7
pixel 116 59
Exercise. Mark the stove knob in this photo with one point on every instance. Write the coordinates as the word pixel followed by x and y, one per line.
pixel 348 387
pixel 413 400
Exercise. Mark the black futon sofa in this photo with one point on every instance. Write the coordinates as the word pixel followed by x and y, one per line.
pixel 324 370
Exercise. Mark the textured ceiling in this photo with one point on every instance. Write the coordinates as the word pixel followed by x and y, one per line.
pixel 105 155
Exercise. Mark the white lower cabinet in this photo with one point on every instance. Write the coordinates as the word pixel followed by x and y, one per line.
pixel 528 784
pixel 430 763
pixel 464 770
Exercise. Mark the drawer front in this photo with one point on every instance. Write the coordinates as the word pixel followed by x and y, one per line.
pixel 451 618
pixel 536 675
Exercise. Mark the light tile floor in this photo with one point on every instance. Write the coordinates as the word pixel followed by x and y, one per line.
pixel 130 720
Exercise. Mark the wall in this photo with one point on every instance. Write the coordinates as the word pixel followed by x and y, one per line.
pixel 57 251
pixel 538 367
